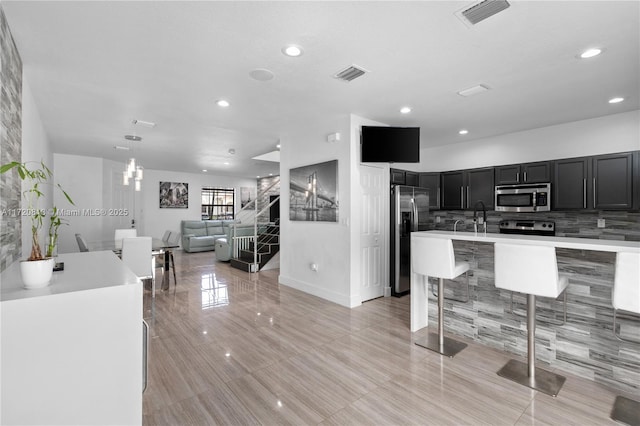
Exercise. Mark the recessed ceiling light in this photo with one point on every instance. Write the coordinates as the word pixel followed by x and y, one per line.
pixel 463 132
pixel 405 110
pixel 226 163
pixel 278 146
pixel 590 53
pixel 223 103
pixel 292 50
pixel 121 148
pixel 232 151
pixel 615 100
pixel 133 138
pixel 204 170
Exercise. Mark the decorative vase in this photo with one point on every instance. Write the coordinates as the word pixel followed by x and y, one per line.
pixel 36 273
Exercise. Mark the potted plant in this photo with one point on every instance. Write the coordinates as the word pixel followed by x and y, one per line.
pixel 37 269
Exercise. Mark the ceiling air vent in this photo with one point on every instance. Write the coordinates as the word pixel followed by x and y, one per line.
pixel 350 73
pixel 483 10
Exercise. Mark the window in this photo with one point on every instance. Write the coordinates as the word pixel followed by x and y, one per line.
pixel 218 203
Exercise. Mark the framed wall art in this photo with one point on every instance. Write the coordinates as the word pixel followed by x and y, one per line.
pixel 313 192
pixel 174 195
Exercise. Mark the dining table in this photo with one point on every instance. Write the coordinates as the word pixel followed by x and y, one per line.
pixel 158 247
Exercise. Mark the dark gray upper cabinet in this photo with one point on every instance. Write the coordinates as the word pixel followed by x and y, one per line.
pixel 397 177
pixel 505 175
pixel 431 181
pixel 480 187
pixel 571 183
pixel 411 178
pixel 602 182
pixel 612 182
pixel 524 173
pixel 636 180
pixel 463 189
pixel 452 189
pixel 537 172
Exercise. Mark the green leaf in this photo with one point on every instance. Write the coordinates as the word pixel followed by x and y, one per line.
pixel 6 167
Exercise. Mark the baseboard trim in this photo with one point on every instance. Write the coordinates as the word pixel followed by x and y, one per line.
pixel 340 299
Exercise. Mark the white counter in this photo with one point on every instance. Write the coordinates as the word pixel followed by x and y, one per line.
pixel 419 290
pixel 72 352
pixel 560 242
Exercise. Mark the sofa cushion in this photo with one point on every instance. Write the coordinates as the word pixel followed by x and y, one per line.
pixel 206 241
pixel 214 227
pixel 194 227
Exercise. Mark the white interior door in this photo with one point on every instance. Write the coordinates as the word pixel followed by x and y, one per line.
pixel 372 232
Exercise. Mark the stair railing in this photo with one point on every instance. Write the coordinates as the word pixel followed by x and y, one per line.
pixel 247 208
pixel 254 267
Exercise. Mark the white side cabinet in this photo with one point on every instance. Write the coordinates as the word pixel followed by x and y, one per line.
pixel 72 353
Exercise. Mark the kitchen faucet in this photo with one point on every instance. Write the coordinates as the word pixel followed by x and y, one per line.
pixel 475 216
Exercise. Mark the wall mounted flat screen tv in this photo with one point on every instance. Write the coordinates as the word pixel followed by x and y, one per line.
pixel 390 144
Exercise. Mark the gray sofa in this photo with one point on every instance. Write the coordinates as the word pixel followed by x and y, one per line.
pixel 224 246
pixel 201 235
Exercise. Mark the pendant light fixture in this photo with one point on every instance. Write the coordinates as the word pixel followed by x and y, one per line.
pixel 133 170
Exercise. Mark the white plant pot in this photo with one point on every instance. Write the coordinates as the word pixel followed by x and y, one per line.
pixel 36 273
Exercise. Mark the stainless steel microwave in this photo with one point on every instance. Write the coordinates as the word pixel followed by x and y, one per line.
pixel 535 197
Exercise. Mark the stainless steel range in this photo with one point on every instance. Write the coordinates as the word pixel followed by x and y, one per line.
pixel 528 227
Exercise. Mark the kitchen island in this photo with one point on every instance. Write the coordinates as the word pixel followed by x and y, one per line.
pixel 584 346
pixel 72 352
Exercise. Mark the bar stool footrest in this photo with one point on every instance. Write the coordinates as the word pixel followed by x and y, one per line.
pixel 626 411
pixel 450 347
pixel 543 381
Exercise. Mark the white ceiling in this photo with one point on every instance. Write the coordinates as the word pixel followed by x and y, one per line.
pixel 95 66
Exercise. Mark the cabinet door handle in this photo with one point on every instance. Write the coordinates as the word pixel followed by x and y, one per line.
pixel 594 193
pixel 584 193
pixel 517 177
pixel 145 355
pixel 462 197
pixel 467 196
pixel 525 177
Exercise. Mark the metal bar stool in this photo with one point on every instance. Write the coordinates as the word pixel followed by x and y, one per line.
pixel 434 257
pixel 532 270
pixel 626 297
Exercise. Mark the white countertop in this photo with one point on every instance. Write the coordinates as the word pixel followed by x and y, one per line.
pixel 82 271
pixel 562 242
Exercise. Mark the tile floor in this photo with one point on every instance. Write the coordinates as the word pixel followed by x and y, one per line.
pixel 232 348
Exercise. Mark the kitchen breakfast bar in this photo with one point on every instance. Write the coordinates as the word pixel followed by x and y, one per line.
pixel 505 274
pixel 419 291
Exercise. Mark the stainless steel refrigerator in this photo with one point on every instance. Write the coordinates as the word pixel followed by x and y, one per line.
pixel 409 213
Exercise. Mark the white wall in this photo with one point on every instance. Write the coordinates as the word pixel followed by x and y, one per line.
pixel 96 184
pixel 326 244
pixel 154 220
pixel 602 135
pixel 81 178
pixel 35 147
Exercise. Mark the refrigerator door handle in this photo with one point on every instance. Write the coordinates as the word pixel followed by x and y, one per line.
pixel 414 219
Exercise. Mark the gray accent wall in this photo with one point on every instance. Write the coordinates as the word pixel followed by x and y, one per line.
pixel 585 345
pixel 10 145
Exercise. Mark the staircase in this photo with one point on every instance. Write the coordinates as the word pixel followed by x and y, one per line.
pixel 259 251
pixel 268 245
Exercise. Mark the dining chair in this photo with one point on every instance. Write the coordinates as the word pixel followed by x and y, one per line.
pixel 124 233
pixel 160 258
pixel 82 244
pixel 136 254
